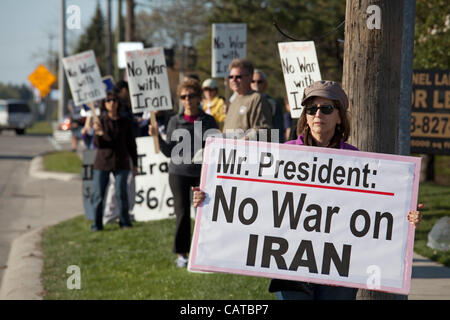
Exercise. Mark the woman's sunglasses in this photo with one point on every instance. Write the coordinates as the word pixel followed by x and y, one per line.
pixel 111 100
pixel 326 109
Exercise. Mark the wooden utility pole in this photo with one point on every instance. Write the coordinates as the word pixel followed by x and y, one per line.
pixel 109 42
pixel 62 102
pixel 371 75
pixel 372 78
pixel 129 23
pixel 118 38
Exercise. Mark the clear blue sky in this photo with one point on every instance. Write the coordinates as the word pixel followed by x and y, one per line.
pixel 25 29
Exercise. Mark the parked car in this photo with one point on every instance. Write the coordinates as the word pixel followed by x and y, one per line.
pixel 15 115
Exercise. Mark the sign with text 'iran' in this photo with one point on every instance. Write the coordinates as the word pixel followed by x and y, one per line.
pixel 300 69
pixel 84 78
pixel 154 199
pixel 328 216
pixel 229 41
pixel 148 80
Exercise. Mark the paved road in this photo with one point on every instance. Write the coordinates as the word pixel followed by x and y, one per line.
pixel 23 198
pixel 18 195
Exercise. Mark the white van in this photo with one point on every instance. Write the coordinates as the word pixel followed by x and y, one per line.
pixel 15 115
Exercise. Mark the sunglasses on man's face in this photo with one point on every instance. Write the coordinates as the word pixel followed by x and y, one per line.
pixel 325 109
pixel 189 96
pixel 237 77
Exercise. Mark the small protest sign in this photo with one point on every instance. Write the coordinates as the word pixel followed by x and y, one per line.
pixel 300 69
pixel 148 80
pixel 88 183
pixel 86 111
pixel 84 78
pixel 153 199
pixel 229 41
pixel 311 214
pixel 108 82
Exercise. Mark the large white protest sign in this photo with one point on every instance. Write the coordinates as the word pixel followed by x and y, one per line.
pixel 300 69
pixel 309 214
pixel 229 41
pixel 154 199
pixel 84 78
pixel 122 48
pixel 148 80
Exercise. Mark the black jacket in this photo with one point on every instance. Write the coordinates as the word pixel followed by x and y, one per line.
pixel 116 145
pixel 183 133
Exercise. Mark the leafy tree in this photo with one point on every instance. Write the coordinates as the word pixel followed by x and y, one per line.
pixel 10 91
pixel 432 34
pixel 176 23
pixel 94 38
pixel 303 20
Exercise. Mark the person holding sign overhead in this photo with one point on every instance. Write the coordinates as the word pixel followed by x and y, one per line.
pixel 183 173
pixel 323 123
pixel 116 145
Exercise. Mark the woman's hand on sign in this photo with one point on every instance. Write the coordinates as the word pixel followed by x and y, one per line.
pixel 199 197
pixel 97 127
pixel 414 217
pixel 152 130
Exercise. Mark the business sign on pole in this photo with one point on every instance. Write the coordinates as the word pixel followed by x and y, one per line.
pixel 430 112
pixel 229 41
pixel 320 215
pixel 153 199
pixel 148 81
pixel 84 78
pixel 300 69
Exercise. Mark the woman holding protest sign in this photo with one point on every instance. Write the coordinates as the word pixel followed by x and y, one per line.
pixel 323 123
pixel 180 146
pixel 115 144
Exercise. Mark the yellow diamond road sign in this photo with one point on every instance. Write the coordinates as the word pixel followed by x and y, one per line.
pixel 42 79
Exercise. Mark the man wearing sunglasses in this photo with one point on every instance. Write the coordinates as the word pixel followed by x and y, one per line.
pixel 259 84
pixel 249 111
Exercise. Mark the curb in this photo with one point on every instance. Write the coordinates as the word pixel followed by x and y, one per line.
pixel 22 277
pixel 37 171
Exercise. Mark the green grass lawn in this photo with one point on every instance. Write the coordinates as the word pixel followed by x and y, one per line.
pixel 437 205
pixel 132 264
pixel 41 128
pixel 63 161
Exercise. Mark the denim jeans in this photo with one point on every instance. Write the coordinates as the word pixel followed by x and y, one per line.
pixel 319 292
pixel 101 179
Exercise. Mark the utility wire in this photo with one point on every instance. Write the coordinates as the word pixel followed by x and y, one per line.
pixel 315 39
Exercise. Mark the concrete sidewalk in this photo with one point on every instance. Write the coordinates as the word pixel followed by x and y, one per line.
pixel 62 193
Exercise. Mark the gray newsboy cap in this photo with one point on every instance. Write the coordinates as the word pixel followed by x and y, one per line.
pixel 326 89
